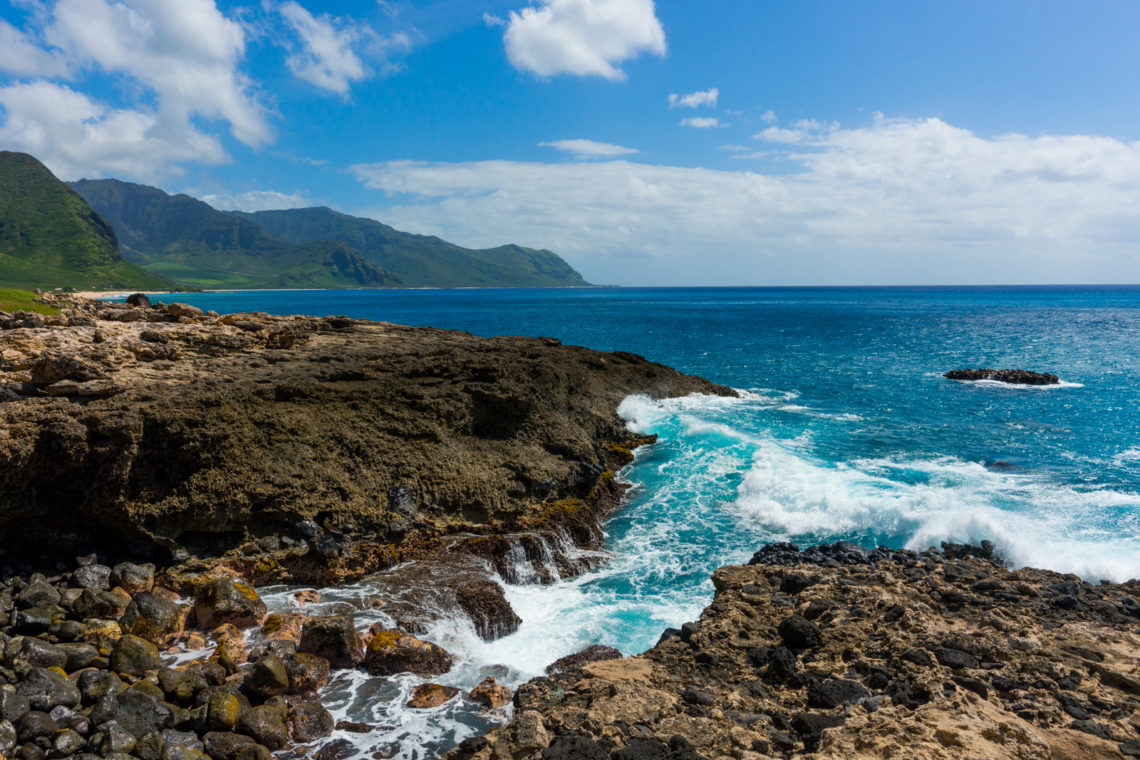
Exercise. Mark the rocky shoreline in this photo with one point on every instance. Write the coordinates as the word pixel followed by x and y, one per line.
pixel 159 464
pixel 840 652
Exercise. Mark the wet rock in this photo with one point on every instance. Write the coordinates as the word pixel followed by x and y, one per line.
pixel 23 653
pixel 491 694
pixel 484 602
pixel 46 689
pixel 224 745
pixel 226 600
pixel 266 725
pixel 96 603
pixel 1014 376
pixel 333 638
pixel 393 651
pixel 222 710
pixel 142 713
pixel 284 627
pixel 37 594
pixel 269 677
pixel 13 706
pixel 134 656
pixel 151 617
pixel 430 695
pixel 79 655
pixel 402 500
pixel 307 672
pixel 310 721
pixel 96 684
pixel 133 578
pixel 115 740
pixel 182 684
pixel 590 654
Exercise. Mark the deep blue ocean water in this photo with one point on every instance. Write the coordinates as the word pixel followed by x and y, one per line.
pixel 846 431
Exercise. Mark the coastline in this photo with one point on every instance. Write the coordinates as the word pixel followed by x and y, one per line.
pixel 194 412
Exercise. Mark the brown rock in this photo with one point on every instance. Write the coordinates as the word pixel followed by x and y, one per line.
pixel 491 694
pixel 334 638
pixel 227 600
pixel 392 651
pixel 430 695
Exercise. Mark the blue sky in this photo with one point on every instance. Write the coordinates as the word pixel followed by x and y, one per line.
pixel 667 143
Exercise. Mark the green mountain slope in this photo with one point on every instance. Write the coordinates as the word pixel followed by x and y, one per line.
pixel 420 260
pixel 51 238
pixel 189 241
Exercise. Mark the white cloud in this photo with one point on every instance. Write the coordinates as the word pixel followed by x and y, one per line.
pixel 582 37
pixel 768 116
pixel 326 59
pixel 589 148
pixel 257 200
pixel 895 201
pixel 781 135
pixel 695 99
pixel 187 52
pixel 22 57
pixel 78 137
pixel 702 122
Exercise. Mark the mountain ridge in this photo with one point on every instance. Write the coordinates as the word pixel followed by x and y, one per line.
pixel 51 237
pixel 187 240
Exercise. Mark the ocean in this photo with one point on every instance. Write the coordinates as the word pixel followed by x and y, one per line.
pixel 845 429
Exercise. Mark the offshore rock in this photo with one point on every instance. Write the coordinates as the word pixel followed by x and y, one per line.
pixel 1014 376
pixel 430 695
pixel 939 655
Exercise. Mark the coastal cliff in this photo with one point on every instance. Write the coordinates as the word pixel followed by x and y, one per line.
pixel 172 430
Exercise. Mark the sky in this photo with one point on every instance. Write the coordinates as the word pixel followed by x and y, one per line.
pixel 722 142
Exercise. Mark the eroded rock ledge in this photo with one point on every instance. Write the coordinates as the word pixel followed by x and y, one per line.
pixel 163 430
pixel 837 652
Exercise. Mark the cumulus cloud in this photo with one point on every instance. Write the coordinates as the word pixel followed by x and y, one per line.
pixel 21 56
pixel 187 52
pixel 702 122
pixel 894 201
pixel 695 99
pixel 582 37
pixel 257 200
pixel 78 137
pixel 582 149
pixel 326 59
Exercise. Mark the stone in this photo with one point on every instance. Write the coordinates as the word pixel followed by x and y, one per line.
pixel 79 655
pixel 269 677
pixel 96 603
pixel 284 627
pixel 392 651
pixel 402 500
pixel 834 692
pixel 134 656
pixel 46 688
pixel 96 684
pixel 141 713
pixel 265 725
pixel 590 654
pixel 797 632
pixel 306 596
pixel 226 600
pixel 491 694
pixel 101 633
pixel 224 745
pixel 222 710
pixel 13 706
pixel 140 300
pixel 430 695
pixel 53 366
pixel 22 653
pixel 151 617
pixel 1014 376
pixel 310 721
pixel 37 594
pixel 116 739
pixel 333 638
pixel 307 672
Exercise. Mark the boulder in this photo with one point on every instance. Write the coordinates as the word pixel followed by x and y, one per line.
pixel 48 688
pixel 307 672
pixel 222 711
pixel 485 603
pixel 133 578
pixel 53 366
pixel 92 576
pixel 284 627
pixel 134 656
pixel 140 300
pixel 334 638
pixel 310 721
pixel 266 725
pixel 37 594
pixel 227 600
pixel 151 617
pixel 430 695
pixel 392 651
pixel 96 603
pixel 268 677
pixel 491 694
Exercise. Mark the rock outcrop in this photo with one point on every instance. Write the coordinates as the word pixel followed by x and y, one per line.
pixel 172 431
pixel 839 652
pixel 1012 376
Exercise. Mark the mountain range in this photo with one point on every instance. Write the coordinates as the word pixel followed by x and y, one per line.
pixel 111 234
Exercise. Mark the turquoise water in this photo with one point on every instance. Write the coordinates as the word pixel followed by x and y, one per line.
pixel 846 430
